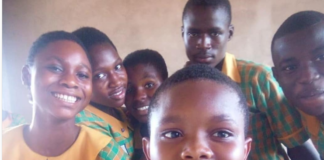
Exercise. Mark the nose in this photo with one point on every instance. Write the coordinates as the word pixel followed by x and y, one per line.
pixel 196 149
pixel 114 80
pixel 204 42
pixel 308 73
pixel 68 80
pixel 140 94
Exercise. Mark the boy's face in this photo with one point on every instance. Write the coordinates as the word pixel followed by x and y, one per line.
pixel 205 32
pixel 59 79
pixel 299 68
pixel 197 120
pixel 143 80
pixel 109 76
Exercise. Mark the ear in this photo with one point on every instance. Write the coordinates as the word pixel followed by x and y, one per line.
pixel 182 31
pixel 146 147
pixel 231 31
pixel 26 75
pixel 247 147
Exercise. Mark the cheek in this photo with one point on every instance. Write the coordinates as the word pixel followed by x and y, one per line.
pixel 229 151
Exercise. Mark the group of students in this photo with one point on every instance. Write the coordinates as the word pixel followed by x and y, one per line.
pixel 216 107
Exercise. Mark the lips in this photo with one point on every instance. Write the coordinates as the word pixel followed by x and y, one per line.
pixel 311 93
pixel 203 57
pixel 66 97
pixel 118 93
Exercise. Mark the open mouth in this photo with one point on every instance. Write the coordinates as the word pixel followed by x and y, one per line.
pixel 118 93
pixel 142 108
pixel 66 98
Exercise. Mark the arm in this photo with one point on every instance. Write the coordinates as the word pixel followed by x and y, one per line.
pixel 304 151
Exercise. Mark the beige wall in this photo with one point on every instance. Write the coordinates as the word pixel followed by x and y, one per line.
pixel 132 25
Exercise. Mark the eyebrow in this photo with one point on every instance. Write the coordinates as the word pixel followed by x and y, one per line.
pixel 221 118
pixel 61 61
pixel 287 60
pixel 170 119
pixel 318 49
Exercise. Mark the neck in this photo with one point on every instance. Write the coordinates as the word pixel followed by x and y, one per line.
pixel 219 66
pixel 49 136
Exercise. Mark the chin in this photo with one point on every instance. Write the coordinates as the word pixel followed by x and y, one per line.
pixel 313 111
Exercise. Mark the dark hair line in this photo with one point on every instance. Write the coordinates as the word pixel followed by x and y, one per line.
pixel 48 38
pixel 147 56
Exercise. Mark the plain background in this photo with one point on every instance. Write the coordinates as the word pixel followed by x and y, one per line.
pixel 132 25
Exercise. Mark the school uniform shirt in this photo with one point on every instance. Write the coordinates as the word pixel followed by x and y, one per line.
pixel 272 119
pixel 12 120
pixel 90 145
pixel 315 129
pixel 120 131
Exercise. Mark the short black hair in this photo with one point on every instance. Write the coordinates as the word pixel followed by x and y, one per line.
pixel 48 38
pixel 225 4
pixel 201 72
pixel 91 36
pixel 147 56
pixel 296 22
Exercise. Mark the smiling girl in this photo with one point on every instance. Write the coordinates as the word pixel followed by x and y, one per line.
pixel 109 86
pixel 58 75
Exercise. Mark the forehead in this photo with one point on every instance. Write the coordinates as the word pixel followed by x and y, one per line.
pixel 141 71
pixel 103 54
pixel 205 17
pixel 200 97
pixel 299 43
pixel 64 49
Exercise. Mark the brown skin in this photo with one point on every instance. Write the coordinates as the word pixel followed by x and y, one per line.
pixel 143 81
pixel 109 76
pixel 177 134
pixel 205 32
pixel 299 68
pixel 61 67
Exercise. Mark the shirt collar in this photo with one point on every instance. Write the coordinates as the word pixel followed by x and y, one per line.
pixel 230 68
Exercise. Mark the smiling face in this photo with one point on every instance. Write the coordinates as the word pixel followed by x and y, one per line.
pixel 143 80
pixel 197 120
pixel 109 76
pixel 299 68
pixel 59 79
pixel 206 31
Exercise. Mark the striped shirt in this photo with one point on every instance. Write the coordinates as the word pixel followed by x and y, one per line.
pixel 315 129
pixel 272 119
pixel 121 131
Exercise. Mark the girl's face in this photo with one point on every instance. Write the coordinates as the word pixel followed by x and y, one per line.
pixel 59 79
pixel 143 80
pixel 109 76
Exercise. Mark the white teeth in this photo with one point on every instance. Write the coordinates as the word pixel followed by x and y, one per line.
pixel 118 93
pixel 143 108
pixel 66 98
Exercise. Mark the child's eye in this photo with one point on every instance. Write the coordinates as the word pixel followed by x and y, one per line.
pixel 149 85
pixel 118 67
pixel 172 134
pixel 223 134
pixel 320 58
pixel 192 34
pixel 214 34
pixel 55 69
pixel 289 68
pixel 100 76
pixel 83 76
